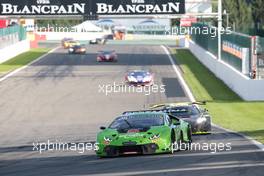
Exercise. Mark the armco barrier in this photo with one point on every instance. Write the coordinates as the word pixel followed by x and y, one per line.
pixel 13 50
pixel 248 89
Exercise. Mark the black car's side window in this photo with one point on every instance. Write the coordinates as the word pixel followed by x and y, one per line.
pixel 168 120
pixel 195 110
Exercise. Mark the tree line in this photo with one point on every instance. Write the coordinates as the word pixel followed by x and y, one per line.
pixel 244 15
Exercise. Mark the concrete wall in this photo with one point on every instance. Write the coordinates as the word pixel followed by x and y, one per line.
pixel 93 35
pixel 14 50
pixel 248 89
pixel 149 37
pixel 157 39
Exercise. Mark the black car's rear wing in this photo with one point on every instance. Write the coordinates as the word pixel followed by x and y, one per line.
pixel 154 106
pixel 164 111
pixel 199 102
pixel 128 112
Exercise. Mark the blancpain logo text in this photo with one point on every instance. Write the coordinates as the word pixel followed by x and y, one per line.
pixel 138 8
pixel 43 7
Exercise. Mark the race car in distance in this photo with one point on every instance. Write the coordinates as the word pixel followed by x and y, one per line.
pixel 97 41
pixel 70 43
pixel 106 56
pixel 65 40
pixel 77 49
pixel 142 133
pixel 197 117
pixel 139 78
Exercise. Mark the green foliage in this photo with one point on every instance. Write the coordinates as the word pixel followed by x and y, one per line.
pixel 175 22
pixel 245 15
pixel 257 12
pixel 58 22
pixel 240 15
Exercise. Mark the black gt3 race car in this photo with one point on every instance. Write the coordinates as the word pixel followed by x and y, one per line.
pixel 198 117
pixel 77 49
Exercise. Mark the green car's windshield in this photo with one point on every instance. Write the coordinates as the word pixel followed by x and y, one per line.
pixel 137 121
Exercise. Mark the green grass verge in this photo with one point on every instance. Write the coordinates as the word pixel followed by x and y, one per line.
pixel 22 59
pixel 227 108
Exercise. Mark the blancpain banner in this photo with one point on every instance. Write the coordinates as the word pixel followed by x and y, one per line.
pixel 124 7
pixel 90 7
pixel 42 7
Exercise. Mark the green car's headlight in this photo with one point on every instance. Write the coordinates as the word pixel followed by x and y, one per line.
pixel 154 137
pixel 107 140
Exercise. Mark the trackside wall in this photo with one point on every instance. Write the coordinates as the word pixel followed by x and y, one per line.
pixel 248 89
pixel 14 50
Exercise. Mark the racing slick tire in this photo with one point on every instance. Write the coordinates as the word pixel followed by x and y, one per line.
pixel 173 140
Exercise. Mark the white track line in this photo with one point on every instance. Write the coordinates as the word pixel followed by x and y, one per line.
pixel 182 81
pixel 22 68
pixel 162 171
pixel 192 99
pixel 253 141
pixel 206 153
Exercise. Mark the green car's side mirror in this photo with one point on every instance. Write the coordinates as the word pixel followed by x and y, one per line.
pixel 102 128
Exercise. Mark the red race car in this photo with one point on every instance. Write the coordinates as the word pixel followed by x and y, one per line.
pixel 107 56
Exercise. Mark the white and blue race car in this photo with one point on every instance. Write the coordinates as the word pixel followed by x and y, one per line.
pixel 139 78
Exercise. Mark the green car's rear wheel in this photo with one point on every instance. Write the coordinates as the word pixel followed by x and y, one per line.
pixel 189 134
pixel 180 141
pixel 173 139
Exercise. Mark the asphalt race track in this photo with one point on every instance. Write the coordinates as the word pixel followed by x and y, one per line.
pixel 58 98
